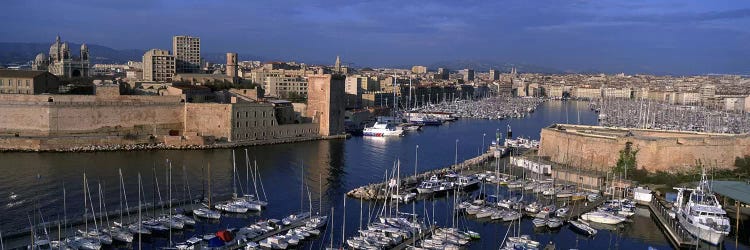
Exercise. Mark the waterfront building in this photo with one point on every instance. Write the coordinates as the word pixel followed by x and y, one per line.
pixel 707 91
pixel 553 91
pixel 61 63
pixel 689 98
pixel 620 93
pixel 586 93
pixel 158 66
pixel 285 86
pixel 418 69
pixel 354 91
pixel 187 54
pixel 29 82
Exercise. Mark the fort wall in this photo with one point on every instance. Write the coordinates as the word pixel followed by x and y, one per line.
pixel 598 148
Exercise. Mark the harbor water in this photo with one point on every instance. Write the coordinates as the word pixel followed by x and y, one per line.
pixel 300 176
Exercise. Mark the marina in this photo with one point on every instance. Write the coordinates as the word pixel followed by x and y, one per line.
pixel 657 115
pixel 329 179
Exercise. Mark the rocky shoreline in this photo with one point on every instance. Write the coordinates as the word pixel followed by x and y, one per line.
pixel 375 191
pixel 163 146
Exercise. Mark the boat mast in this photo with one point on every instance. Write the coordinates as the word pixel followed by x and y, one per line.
pixel 209 185
pixel 416 162
pixel 234 175
pixel 140 219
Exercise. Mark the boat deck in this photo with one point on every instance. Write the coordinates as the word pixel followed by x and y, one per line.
pixel 579 209
pixel 677 236
pixel 413 240
pixel 271 233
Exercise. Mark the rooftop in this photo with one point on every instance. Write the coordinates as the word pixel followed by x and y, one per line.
pixel 737 190
pixel 21 73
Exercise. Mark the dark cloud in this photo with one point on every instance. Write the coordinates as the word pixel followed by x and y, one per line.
pixel 630 36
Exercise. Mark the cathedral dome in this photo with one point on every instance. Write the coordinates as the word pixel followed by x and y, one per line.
pixel 84 47
pixel 40 57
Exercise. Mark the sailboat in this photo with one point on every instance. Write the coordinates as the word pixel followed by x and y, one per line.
pixel 138 227
pixel 302 215
pixel 118 231
pixel 234 205
pixel 205 211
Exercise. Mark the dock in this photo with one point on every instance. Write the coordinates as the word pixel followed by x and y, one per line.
pixel 577 210
pixel 413 240
pixel 270 233
pixel 677 236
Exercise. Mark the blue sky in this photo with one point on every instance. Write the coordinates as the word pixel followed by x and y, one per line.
pixel 678 37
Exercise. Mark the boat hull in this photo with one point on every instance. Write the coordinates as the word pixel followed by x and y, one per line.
pixel 710 236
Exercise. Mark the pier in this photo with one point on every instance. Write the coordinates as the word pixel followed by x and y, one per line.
pixel 677 236
pixel 375 191
pixel 413 240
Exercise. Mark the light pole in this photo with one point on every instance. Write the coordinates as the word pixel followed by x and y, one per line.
pixel 455 161
pixel 483 134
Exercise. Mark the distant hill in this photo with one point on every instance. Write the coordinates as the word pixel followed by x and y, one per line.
pixel 21 53
pixel 486 65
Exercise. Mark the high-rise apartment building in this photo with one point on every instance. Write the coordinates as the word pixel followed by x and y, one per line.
pixel 494 75
pixel 468 75
pixel 442 74
pixel 187 54
pixel 158 66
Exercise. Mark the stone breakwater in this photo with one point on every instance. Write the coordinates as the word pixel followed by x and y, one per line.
pixel 163 146
pixel 376 191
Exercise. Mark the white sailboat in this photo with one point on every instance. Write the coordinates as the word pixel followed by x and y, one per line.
pixel 205 211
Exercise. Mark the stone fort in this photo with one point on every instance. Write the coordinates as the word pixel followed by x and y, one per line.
pixel 51 122
pixel 597 148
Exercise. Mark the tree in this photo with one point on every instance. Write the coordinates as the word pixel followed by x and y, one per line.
pixel 627 161
pixel 742 164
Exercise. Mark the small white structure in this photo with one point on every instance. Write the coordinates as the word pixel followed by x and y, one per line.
pixel 536 167
pixel 642 195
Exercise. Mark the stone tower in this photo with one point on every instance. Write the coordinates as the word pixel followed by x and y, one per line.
pixel 337 66
pixel 231 64
pixel 326 102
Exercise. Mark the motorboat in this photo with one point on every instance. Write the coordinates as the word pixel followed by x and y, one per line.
pixel 554 222
pixel 206 213
pixel 582 227
pixel 562 212
pixel 383 129
pixel 702 215
pixel 428 186
pixel 603 218
pixel 294 218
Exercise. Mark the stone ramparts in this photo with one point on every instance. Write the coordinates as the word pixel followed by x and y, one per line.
pixel 599 147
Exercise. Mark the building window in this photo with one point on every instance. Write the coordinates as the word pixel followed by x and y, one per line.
pixel 27 83
pixel 247 124
pixel 1 82
pixel 18 83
